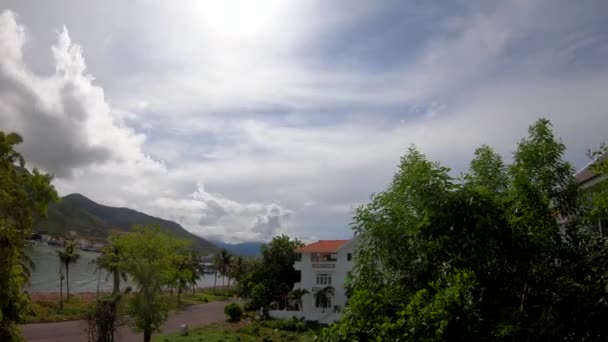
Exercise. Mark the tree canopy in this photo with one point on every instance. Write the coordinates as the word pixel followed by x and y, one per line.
pixel 502 253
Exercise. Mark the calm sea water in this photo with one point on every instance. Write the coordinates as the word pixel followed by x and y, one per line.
pixel 83 276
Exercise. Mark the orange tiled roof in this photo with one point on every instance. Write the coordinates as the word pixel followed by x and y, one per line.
pixel 323 246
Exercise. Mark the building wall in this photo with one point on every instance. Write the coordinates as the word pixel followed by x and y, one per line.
pixel 309 271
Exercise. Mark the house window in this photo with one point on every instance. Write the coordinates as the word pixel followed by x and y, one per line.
pixel 349 256
pixel 323 279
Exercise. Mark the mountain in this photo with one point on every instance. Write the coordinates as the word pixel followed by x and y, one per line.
pixel 94 221
pixel 242 249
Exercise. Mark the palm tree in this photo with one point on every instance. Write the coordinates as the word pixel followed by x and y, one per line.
pixel 61 287
pixel 226 260
pixel 217 265
pixel 67 257
pixel 196 268
pixel 296 295
pixel 109 260
pixel 323 297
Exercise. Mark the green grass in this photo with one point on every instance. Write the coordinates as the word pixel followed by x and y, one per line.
pixel 47 308
pixel 241 332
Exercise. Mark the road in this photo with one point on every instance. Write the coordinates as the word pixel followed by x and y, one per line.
pixel 75 331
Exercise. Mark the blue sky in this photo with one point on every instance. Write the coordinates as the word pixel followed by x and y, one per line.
pixel 241 120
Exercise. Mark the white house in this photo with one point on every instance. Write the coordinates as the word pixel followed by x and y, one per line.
pixel 324 263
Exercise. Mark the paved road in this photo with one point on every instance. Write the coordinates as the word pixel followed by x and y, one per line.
pixel 75 331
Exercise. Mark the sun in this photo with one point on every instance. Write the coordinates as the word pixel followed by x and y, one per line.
pixel 239 18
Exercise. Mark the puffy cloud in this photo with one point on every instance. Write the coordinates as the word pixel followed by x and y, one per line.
pixel 71 131
pixel 64 117
pixel 291 128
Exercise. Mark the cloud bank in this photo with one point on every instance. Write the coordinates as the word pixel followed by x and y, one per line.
pixel 286 130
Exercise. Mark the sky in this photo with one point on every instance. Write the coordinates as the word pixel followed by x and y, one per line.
pixel 242 120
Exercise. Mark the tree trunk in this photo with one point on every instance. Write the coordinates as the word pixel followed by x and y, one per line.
pixel 223 280
pixel 179 296
pixel 116 287
pixel 67 279
pixel 147 335
pixel 98 281
pixel 214 280
pixel 60 291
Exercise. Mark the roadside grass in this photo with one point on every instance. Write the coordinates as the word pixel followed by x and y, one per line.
pixel 241 332
pixel 45 308
pixel 48 310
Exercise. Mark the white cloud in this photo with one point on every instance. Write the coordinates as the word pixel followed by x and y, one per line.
pixel 71 131
pixel 197 95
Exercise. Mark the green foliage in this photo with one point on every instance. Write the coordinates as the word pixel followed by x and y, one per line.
pixel 274 271
pixel 23 195
pixel 227 332
pixel 502 254
pixel 322 297
pixel 234 312
pixel 103 317
pixel 296 295
pixel 258 297
pixel 292 324
pixel 68 256
pixel 149 255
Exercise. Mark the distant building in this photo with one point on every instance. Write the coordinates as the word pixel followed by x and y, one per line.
pixel 324 263
pixel 588 181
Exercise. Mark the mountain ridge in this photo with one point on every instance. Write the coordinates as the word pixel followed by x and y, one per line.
pixel 91 220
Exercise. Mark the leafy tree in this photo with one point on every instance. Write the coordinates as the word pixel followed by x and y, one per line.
pixel 296 295
pixel 68 256
pixel 503 253
pixel 109 260
pixel 186 269
pixel 598 194
pixel 149 255
pixel 274 270
pixel 23 195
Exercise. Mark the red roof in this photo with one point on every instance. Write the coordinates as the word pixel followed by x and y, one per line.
pixel 323 246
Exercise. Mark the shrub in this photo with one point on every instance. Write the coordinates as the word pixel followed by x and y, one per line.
pixel 234 312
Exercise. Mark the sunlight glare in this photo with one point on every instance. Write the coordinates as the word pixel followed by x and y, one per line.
pixel 239 18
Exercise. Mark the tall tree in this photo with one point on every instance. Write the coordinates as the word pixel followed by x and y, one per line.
pixel 274 271
pixel 503 255
pixel 149 255
pixel 109 260
pixel 23 195
pixel 66 257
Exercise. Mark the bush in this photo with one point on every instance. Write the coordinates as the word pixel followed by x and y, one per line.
pixel 234 312
pixel 293 324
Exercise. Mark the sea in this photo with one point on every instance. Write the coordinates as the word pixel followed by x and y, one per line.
pixel 84 276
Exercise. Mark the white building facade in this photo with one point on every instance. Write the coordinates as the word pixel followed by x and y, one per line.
pixel 324 263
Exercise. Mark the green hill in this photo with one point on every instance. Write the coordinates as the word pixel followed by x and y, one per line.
pixel 94 221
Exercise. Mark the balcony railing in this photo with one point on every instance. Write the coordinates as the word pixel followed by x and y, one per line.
pixel 324 265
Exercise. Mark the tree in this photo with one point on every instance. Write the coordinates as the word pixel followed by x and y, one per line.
pixel 66 257
pixel 274 271
pixel 23 195
pixel 296 295
pixel 109 260
pixel 323 297
pixel 149 255
pixel 226 260
pixel 503 253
